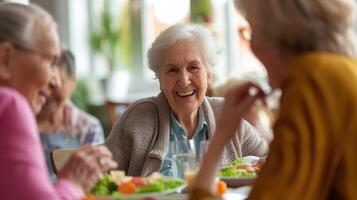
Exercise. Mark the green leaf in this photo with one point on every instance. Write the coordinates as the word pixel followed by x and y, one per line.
pixel 113 40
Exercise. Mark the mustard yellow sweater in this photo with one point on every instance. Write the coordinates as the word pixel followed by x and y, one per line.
pixel 314 151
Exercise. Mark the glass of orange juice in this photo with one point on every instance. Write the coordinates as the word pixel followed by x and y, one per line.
pixel 191 175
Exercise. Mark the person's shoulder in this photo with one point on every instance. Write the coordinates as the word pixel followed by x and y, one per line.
pixel 142 111
pixel 10 97
pixel 16 113
pixel 215 102
pixel 320 70
pixel 143 105
pixel 10 94
pixel 317 76
pixel 140 115
pixel 77 112
pixel 322 64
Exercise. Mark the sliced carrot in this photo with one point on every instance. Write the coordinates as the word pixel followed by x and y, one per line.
pixel 127 188
pixel 221 188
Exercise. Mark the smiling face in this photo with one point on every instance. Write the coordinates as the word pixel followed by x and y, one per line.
pixel 31 69
pixel 184 76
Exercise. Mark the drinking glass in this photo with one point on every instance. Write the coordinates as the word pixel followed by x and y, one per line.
pixel 203 145
pixel 184 157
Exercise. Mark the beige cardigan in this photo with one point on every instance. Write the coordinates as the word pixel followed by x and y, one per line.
pixel 140 138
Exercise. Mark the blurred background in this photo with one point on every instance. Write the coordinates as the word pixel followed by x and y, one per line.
pixel 110 38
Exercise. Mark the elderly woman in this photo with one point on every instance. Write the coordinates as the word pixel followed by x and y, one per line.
pixel 28 48
pixel 181 57
pixel 61 123
pixel 309 49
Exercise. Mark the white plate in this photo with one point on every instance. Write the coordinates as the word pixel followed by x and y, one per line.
pixel 240 193
pixel 250 159
pixel 145 195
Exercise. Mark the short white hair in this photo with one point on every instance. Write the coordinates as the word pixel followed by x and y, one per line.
pixel 304 25
pixel 19 24
pixel 191 32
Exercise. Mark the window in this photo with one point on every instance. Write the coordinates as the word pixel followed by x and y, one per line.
pixel 157 16
pixel 236 59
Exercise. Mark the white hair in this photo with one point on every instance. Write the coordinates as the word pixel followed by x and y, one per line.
pixel 19 24
pixel 304 25
pixel 196 33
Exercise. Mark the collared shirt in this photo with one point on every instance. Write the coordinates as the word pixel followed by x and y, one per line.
pixel 178 133
pixel 78 129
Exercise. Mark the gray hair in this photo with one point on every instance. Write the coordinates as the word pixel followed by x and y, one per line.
pixel 303 25
pixel 19 23
pixel 67 61
pixel 196 33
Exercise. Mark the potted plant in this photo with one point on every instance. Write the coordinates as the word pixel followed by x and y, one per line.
pixel 201 11
pixel 110 37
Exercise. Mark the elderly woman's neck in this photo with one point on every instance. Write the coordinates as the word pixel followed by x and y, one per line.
pixel 188 121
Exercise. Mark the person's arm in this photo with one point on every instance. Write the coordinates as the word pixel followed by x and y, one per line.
pixel 237 103
pixel 119 142
pixel 131 137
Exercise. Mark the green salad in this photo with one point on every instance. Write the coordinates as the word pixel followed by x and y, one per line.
pixel 117 185
pixel 239 169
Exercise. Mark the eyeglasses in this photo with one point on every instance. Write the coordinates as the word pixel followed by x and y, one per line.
pixel 51 60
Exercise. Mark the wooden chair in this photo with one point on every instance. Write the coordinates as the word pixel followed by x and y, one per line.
pixel 115 110
pixel 59 158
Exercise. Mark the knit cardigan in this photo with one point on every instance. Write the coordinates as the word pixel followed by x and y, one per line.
pixel 140 139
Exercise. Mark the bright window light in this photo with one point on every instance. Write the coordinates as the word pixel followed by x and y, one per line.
pixel 171 11
pixel 19 1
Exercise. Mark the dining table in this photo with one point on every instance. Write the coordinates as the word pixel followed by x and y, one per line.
pixel 239 193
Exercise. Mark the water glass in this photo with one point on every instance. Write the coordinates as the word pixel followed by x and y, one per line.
pixel 203 146
pixel 184 157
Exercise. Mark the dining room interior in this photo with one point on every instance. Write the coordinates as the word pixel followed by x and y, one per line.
pixel 109 81
pixel 184 99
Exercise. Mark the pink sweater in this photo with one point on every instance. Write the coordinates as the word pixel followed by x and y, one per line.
pixel 23 169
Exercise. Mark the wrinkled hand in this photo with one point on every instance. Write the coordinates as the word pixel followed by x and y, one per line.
pixel 86 165
pixel 239 99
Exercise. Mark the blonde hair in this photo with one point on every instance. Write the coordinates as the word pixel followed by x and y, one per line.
pixel 303 25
